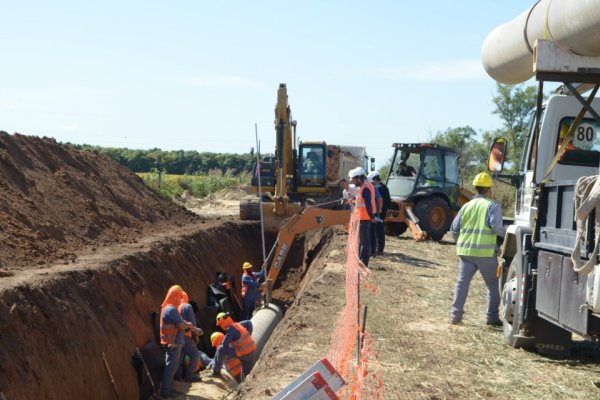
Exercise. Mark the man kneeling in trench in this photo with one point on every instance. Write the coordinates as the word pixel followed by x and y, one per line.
pixel 237 343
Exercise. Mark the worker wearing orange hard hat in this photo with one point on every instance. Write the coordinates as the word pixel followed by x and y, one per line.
pixel 237 342
pixel 475 229
pixel 250 289
pixel 172 327
pixel 233 365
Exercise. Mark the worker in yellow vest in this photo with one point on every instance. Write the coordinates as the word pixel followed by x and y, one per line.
pixel 475 230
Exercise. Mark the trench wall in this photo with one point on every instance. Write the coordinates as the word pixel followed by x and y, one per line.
pixel 54 332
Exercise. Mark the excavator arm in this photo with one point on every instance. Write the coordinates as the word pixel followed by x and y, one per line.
pixel 304 220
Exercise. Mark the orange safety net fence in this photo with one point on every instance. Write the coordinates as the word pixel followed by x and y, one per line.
pixel 363 372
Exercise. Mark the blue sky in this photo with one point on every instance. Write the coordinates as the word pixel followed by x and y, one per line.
pixel 197 75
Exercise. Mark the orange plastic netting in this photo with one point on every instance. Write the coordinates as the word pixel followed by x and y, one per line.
pixel 362 373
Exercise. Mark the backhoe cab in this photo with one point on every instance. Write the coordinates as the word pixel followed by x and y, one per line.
pixel 424 185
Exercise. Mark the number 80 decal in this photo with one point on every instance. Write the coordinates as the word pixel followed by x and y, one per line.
pixel 585 135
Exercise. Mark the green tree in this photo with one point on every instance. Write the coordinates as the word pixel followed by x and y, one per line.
pixel 464 140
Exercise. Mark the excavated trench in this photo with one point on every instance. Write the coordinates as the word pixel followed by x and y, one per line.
pixel 56 330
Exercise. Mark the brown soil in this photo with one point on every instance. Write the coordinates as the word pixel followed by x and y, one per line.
pixel 89 251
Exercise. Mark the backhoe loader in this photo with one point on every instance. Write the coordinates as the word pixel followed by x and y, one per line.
pixel 426 198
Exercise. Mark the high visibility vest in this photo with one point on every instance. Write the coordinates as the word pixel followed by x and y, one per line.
pixel 234 367
pixel 245 287
pixel 168 332
pixel 245 344
pixel 476 239
pixel 360 208
pixel 187 332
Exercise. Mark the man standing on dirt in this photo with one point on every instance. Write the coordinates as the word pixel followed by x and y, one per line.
pixel 364 211
pixel 250 289
pixel 172 327
pixel 190 349
pixel 378 239
pixel 475 229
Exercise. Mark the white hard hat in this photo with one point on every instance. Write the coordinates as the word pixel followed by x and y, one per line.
pixel 358 171
pixel 372 175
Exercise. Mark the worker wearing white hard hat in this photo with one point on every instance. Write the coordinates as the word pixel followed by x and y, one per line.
pixel 365 212
pixel 475 229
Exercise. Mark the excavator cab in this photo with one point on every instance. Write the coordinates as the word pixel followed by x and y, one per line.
pixel 312 170
pixel 424 185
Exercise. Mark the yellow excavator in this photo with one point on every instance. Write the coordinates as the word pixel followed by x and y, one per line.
pixel 299 174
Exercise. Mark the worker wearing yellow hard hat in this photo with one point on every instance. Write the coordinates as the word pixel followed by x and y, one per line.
pixel 232 364
pixel 237 343
pixel 250 289
pixel 475 229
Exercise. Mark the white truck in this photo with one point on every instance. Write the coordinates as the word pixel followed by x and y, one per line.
pixel 549 267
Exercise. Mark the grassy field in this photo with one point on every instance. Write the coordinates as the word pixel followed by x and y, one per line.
pixel 169 185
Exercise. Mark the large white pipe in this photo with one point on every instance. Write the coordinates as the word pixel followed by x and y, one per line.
pixel 574 25
pixel 264 322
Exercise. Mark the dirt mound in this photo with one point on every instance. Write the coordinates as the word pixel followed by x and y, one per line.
pixel 56 201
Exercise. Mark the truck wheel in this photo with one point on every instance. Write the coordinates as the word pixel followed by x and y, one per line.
pixel 395 228
pixel 249 210
pixel 434 216
pixel 510 299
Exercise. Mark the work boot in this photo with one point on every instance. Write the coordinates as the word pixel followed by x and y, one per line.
pixel 495 324
pixel 194 378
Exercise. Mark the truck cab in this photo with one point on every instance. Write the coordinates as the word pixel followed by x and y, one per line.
pixel 544 298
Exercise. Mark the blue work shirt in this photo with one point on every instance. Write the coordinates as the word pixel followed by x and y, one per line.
pixel 170 315
pixel 251 281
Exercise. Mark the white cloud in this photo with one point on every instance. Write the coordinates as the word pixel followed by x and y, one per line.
pixel 456 70
pixel 224 81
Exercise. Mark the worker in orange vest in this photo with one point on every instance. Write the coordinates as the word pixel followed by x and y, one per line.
pixel 190 349
pixel 233 365
pixel 172 327
pixel 365 211
pixel 237 342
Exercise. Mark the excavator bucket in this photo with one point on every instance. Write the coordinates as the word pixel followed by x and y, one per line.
pixel 273 213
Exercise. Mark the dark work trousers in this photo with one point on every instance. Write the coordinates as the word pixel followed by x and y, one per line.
pixel 364 241
pixel 377 238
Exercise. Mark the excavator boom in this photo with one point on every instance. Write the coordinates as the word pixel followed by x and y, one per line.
pixel 303 221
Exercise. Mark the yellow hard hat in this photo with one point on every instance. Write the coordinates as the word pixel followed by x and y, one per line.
pixel 483 179
pixel 222 318
pixel 216 339
pixel 247 265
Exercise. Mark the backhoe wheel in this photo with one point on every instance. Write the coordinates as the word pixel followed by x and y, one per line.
pixel 434 216
pixel 395 228
pixel 510 299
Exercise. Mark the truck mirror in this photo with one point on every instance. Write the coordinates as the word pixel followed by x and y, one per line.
pixel 497 155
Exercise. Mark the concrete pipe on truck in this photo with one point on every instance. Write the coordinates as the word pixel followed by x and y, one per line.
pixel 264 322
pixel 572 25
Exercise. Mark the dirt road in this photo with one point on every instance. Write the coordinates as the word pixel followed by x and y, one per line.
pixel 421 354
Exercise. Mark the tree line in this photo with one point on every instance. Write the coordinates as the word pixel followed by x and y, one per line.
pixel 178 162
